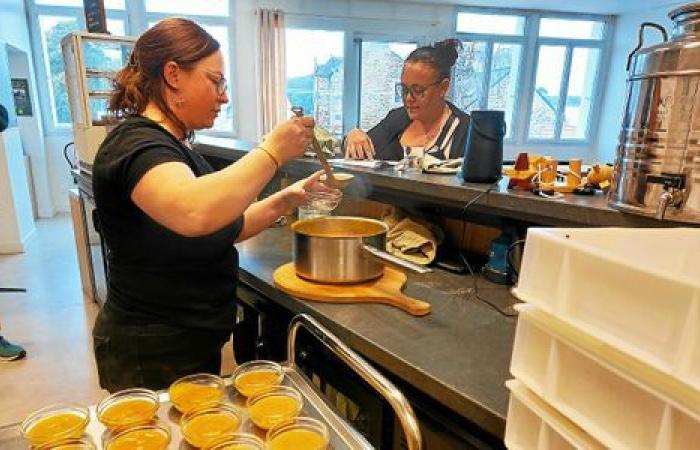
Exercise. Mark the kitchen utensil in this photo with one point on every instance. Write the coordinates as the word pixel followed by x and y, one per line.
pixel 343 250
pixel 656 172
pixel 331 181
pixel 384 290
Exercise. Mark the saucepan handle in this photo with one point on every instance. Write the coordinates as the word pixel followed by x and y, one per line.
pixel 388 257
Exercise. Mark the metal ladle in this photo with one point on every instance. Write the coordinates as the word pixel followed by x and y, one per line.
pixel 330 179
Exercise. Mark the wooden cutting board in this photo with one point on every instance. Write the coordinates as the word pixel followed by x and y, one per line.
pixel 385 290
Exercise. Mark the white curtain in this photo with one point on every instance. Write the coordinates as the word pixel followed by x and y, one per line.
pixel 272 67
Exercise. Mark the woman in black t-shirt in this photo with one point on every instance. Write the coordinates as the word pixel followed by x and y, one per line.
pixel 169 221
pixel 426 122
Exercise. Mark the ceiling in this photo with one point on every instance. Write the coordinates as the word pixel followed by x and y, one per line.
pixel 585 6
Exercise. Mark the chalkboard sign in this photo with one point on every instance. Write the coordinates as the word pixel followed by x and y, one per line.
pixel 20 92
pixel 95 17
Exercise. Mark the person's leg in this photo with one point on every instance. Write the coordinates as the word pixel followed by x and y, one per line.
pixel 10 351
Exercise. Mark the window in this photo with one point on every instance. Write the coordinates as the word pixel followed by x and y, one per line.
pixel 188 8
pixel 55 18
pixel 315 71
pixel 568 63
pixel 490 24
pixel 380 71
pixel 487 71
pixel 556 106
pixel 53 28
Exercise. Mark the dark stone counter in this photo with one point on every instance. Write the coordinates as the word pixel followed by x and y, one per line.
pixel 446 195
pixel 458 355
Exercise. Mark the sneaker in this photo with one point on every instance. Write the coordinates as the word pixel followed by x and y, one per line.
pixel 10 351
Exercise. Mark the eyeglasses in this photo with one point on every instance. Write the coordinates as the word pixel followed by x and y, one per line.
pixel 220 83
pixel 416 90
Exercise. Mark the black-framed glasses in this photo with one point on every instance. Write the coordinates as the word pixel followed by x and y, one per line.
pixel 221 83
pixel 416 90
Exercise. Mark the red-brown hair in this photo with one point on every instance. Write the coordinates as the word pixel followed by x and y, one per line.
pixel 141 80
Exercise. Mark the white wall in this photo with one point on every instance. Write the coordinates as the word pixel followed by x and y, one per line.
pixel 15 32
pixel 624 41
pixel 16 217
pixel 32 134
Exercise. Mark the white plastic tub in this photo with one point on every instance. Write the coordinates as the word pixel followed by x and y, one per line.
pixel 636 289
pixel 533 424
pixel 619 400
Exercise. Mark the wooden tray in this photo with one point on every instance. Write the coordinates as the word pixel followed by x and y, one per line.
pixel 385 290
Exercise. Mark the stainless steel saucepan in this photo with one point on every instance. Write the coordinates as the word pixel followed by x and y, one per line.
pixel 343 250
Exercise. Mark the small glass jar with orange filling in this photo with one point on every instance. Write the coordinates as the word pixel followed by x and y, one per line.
pixel 83 443
pixel 153 436
pixel 128 408
pixel 255 376
pixel 54 423
pixel 196 391
pixel 274 405
pixel 237 441
pixel 302 432
pixel 203 426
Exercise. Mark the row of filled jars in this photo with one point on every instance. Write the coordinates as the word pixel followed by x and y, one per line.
pixel 207 420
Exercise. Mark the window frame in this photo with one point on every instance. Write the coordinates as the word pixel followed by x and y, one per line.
pixel 355 30
pixel 136 19
pixel 531 43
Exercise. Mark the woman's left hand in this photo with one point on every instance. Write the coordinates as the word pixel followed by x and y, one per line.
pixel 295 195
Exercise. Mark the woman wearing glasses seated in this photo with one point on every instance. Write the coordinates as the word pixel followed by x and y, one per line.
pixel 426 122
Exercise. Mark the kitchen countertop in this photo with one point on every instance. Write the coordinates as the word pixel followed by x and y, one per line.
pixel 458 355
pixel 433 191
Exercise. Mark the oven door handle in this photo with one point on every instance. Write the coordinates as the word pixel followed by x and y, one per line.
pixel 379 382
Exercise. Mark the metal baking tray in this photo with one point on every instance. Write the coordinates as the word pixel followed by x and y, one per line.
pixel 342 435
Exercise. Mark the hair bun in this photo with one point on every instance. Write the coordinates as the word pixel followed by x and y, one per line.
pixel 447 50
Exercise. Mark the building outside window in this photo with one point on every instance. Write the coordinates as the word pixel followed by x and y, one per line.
pixel 548 94
pixel 315 75
pixel 380 71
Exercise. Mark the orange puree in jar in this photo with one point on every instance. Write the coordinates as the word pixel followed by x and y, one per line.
pixel 269 411
pixel 131 411
pixel 56 426
pixel 298 439
pixel 239 447
pixel 140 439
pixel 250 383
pixel 203 429
pixel 186 396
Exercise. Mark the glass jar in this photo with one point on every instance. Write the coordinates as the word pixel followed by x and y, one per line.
pixel 319 204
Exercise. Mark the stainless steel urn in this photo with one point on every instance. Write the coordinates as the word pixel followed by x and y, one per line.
pixel 657 169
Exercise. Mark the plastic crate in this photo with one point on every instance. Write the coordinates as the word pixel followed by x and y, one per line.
pixel 619 400
pixel 636 289
pixel 533 424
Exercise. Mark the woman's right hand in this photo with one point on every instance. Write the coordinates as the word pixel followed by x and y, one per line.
pixel 289 139
pixel 358 145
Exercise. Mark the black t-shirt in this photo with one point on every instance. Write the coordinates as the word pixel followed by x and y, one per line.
pixel 155 274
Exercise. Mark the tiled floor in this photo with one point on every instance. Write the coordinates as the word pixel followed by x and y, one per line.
pixel 53 322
